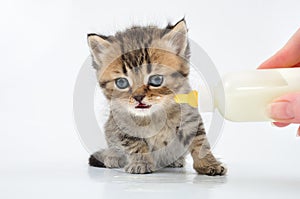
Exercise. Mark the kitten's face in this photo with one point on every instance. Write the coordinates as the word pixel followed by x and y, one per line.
pixel 141 69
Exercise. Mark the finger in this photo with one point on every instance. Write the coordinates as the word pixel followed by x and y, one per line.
pixel 288 56
pixel 280 124
pixel 286 109
pixel 298 132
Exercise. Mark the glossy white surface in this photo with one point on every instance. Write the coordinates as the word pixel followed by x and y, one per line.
pixel 79 181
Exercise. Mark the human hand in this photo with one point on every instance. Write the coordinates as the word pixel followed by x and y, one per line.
pixel 286 109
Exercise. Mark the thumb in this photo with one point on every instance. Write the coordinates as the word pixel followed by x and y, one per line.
pixel 286 108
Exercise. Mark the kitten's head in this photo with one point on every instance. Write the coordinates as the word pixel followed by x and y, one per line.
pixel 142 68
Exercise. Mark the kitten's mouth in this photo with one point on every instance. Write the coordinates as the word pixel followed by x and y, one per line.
pixel 142 106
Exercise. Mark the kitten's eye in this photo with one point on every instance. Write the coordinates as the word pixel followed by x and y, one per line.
pixel 155 80
pixel 122 83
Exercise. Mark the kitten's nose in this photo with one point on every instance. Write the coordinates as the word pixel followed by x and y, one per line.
pixel 139 98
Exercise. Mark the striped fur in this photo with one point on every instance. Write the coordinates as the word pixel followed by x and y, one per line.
pixel 143 141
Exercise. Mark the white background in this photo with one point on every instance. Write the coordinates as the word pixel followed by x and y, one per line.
pixel 42 47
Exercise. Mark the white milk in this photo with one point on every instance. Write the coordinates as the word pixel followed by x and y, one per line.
pixel 246 95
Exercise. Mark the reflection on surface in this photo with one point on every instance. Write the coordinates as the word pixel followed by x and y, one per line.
pixel 166 183
pixel 70 180
pixel 167 175
pixel 250 182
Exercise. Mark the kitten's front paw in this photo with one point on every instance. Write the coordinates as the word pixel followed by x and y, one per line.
pixel 139 168
pixel 211 170
pixel 177 164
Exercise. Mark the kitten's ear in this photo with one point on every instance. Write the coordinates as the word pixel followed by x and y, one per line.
pixel 97 44
pixel 177 35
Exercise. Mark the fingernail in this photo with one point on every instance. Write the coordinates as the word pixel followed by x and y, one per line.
pixel 281 110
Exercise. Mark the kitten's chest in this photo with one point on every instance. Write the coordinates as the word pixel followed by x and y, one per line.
pixel 162 138
pixel 167 133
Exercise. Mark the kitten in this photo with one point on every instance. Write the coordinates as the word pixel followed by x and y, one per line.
pixel 140 70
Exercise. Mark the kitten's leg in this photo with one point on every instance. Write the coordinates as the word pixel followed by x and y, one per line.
pixel 204 161
pixel 139 157
pixel 179 163
pixel 192 135
pixel 110 158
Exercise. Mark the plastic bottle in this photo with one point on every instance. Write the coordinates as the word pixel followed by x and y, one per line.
pixel 245 96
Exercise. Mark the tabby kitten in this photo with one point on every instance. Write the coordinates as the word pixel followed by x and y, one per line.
pixel 140 70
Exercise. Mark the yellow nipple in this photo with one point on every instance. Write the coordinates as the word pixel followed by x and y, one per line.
pixel 191 98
